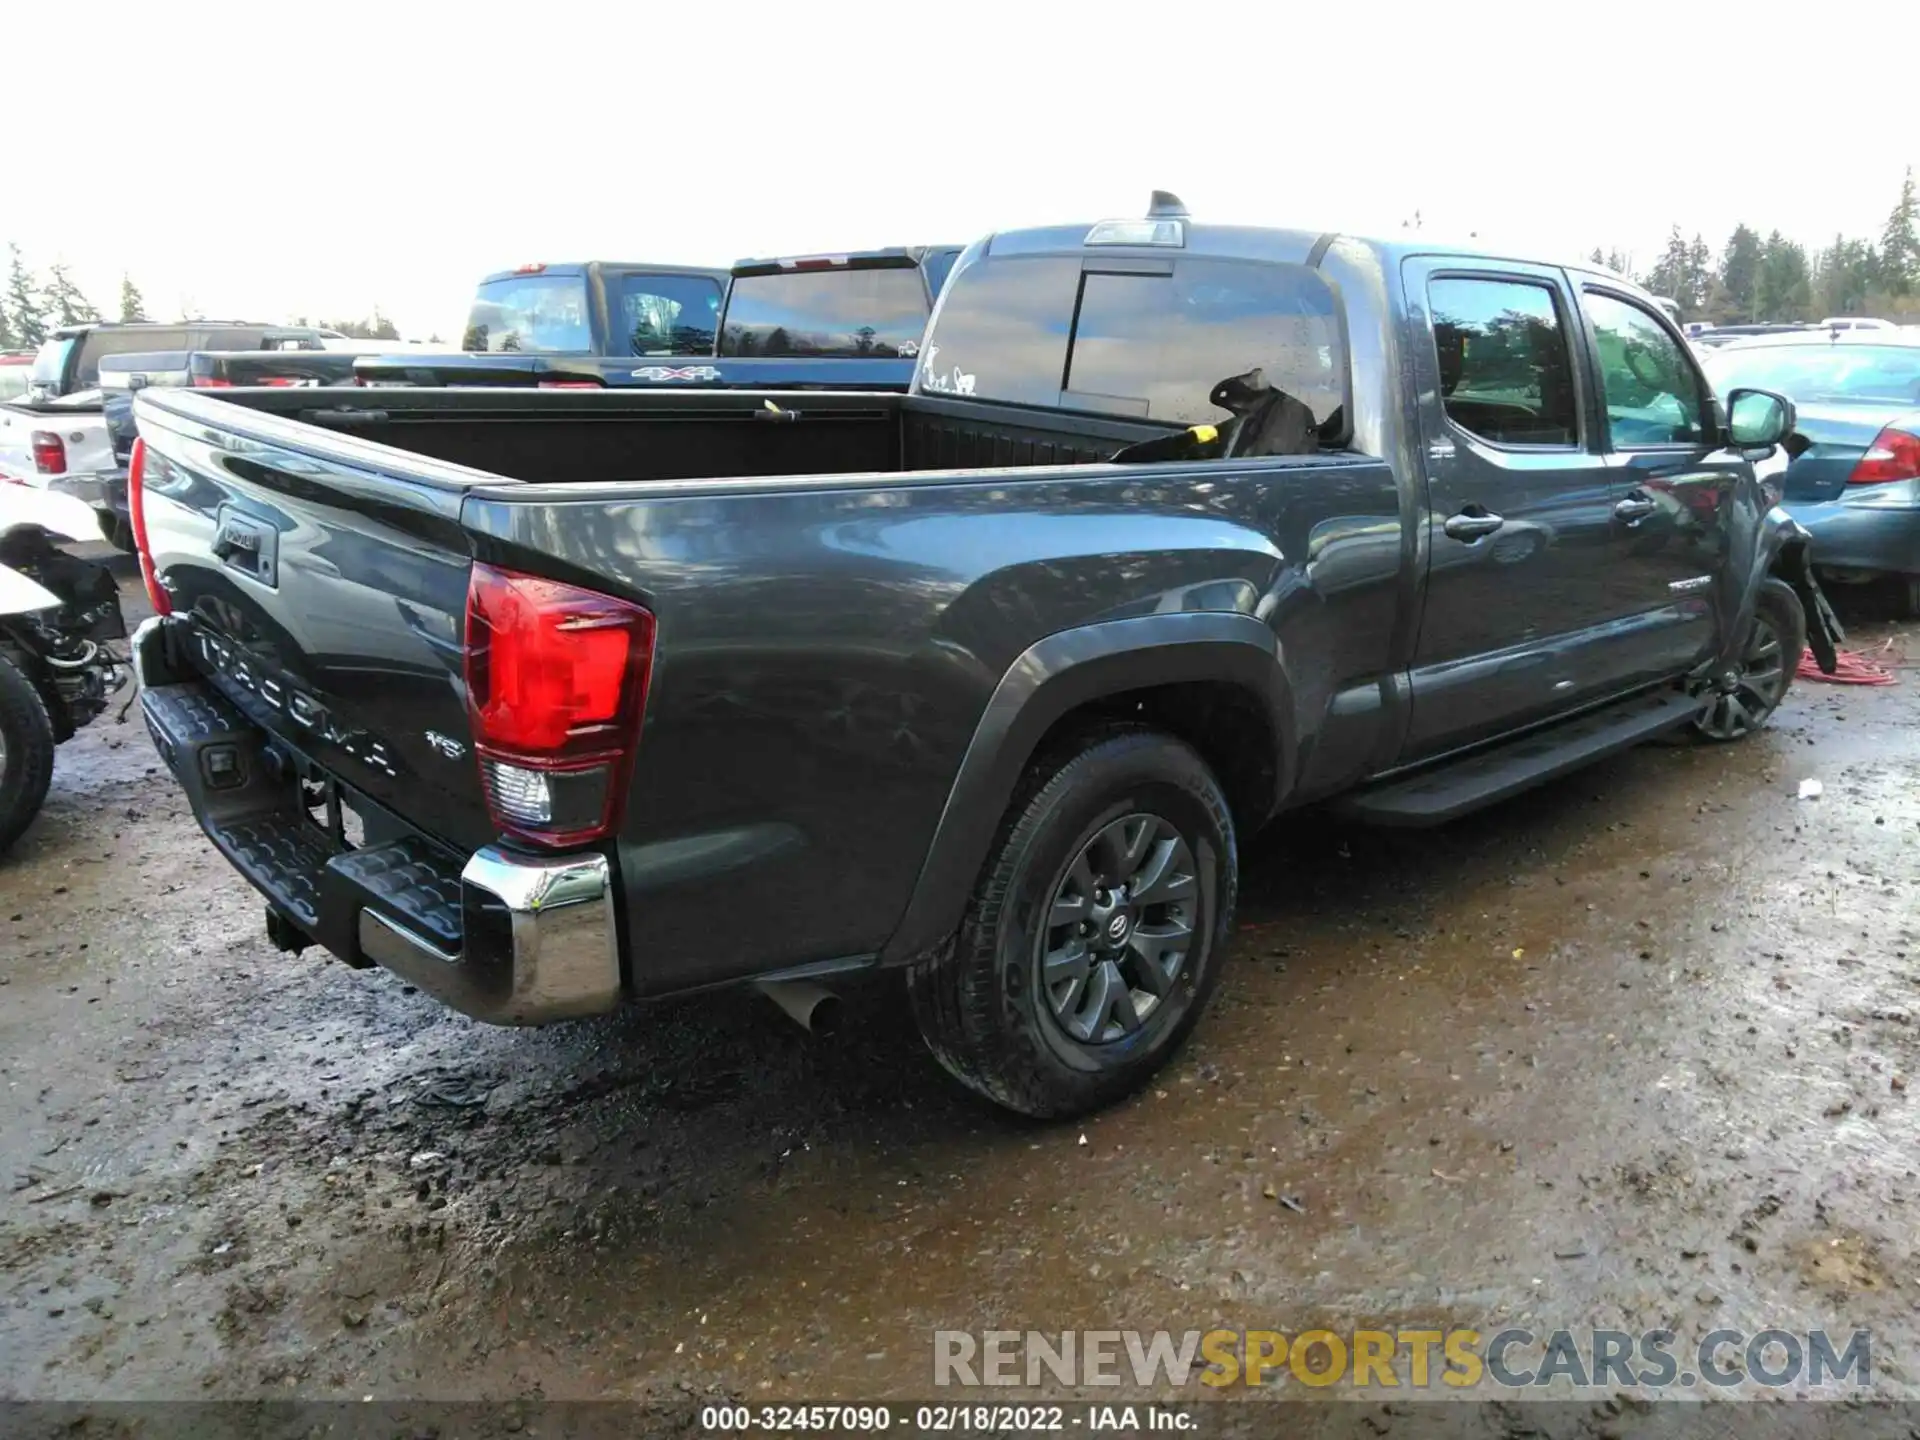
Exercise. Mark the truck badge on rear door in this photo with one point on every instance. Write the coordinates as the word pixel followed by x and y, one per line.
pixel 452 749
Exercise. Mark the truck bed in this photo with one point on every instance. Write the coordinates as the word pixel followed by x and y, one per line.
pixel 623 437
pixel 830 633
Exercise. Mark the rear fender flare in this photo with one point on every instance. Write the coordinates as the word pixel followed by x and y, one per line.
pixel 1053 677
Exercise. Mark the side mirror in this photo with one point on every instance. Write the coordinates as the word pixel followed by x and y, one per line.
pixel 1757 419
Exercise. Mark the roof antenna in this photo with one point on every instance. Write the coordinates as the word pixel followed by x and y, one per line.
pixel 1166 206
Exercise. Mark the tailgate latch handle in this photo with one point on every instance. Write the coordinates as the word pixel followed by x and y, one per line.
pixel 247 545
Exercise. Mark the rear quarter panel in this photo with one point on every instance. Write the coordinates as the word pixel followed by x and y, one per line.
pixel 827 647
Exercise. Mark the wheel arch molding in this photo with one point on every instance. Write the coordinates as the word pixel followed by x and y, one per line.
pixel 1240 719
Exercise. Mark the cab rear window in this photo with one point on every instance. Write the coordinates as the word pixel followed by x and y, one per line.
pixel 531 315
pixel 1188 345
pixel 120 342
pixel 869 313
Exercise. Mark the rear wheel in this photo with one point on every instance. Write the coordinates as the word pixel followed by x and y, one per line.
pixel 118 531
pixel 26 751
pixel 1768 660
pixel 1910 609
pixel 1094 937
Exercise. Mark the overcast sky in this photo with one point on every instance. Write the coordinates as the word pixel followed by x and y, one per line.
pixel 275 159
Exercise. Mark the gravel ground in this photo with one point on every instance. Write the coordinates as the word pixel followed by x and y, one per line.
pixel 1632 1051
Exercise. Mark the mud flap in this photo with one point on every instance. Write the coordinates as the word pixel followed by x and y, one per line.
pixel 1825 634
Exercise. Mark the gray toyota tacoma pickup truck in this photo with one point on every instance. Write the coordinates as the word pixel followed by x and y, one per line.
pixel 550 700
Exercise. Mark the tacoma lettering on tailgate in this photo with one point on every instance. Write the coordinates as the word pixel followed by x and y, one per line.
pixel 251 674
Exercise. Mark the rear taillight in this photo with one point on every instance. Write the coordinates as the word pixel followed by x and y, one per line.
pixel 49 453
pixel 556 688
pixel 137 522
pixel 1894 455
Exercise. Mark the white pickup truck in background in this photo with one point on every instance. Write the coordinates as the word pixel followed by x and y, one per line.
pixel 41 441
pixel 56 436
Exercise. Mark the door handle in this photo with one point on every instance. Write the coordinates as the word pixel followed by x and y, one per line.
pixel 1471 524
pixel 1634 507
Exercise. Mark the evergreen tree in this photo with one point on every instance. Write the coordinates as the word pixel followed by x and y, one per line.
pixel 1900 243
pixel 1847 271
pixel 1699 274
pixel 23 304
pixel 64 300
pixel 1740 273
pixel 132 305
pixel 1597 258
pixel 1672 274
pixel 1783 290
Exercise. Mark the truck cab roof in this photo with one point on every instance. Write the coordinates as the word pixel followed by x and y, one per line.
pixel 889 255
pixel 1272 244
pixel 584 267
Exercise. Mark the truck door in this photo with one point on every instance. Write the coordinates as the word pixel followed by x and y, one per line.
pixel 1673 484
pixel 1519 503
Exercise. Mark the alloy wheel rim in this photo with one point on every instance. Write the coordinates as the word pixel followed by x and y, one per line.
pixel 1119 929
pixel 1743 706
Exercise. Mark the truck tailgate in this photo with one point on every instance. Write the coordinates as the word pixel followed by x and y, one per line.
pixel 324 598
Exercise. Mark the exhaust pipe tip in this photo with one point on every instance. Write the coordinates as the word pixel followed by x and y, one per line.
pixel 813 1008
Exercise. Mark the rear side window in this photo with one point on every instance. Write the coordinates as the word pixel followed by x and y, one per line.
pixel 668 314
pixel 1506 372
pixel 875 314
pixel 936 267
pixel 227 339
pixel 532 315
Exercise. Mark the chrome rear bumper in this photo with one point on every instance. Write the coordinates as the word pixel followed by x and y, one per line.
pixel 537 941
pixel 508 937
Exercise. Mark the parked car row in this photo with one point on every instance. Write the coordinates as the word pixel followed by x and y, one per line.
pixel 850 321
pixel 1854 482
pixel 552 699
pixel 55 434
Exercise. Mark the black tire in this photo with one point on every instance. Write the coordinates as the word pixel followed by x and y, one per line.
pixel 1910 597
pixel 1737 714
pixel 982 1006
pixel 117 530
pixel 26 752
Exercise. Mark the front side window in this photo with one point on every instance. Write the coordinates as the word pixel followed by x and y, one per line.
pixel 876 314
pixel 531 314
pixel 1215 341
pixel 1506 373
pixel 1652 392
pixel 669 314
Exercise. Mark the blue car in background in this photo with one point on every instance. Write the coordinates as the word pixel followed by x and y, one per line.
pixel 1857 484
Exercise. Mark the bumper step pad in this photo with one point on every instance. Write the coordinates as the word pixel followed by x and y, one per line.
pixel 506 937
